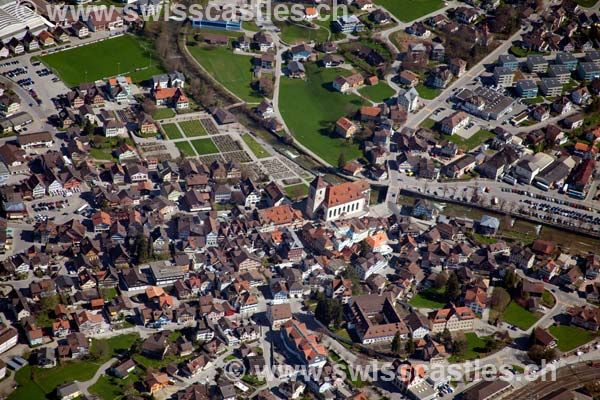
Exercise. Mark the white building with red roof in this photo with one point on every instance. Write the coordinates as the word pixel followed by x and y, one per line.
pixel 334 202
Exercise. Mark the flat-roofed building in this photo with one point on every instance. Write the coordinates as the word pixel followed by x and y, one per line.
pixel 163 274
pixel 551 87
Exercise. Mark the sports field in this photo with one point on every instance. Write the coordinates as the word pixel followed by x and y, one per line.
pixel 124 54
pixel 233 71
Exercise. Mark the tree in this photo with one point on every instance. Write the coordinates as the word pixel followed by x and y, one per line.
pixel 452 288
pixel 342 160
pixel 410 345
pixel 322 312
pixel 149 106
pixel 440 280
pixel 500 299
pixel 396 344
pixel 142 248
pixel 539 353
pixel 491 344
pixel 510 280
pixel 459 347
pixel 336 313
pixel 329 311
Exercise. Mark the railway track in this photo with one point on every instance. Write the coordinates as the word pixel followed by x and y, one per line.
pixel 570 377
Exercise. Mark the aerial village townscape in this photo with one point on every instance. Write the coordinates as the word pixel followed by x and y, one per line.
pixel 223 207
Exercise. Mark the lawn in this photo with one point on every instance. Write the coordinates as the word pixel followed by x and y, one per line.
pixel 409 10
pixel 250 26
pixel 163 113
pixel 548 299
pixel 256 148
pixel 426 92
pixel 520 52
pixel 101 154
pixel 185 148
pixel 149 363
pixel 109 293
pixel 172 131
pixel 192 128
pixel 570 337
pixel 428 123
pixel 294 34
pixel 35 383
pixel 205 146
pixel 123 54
pixel 296 192
pixel 109 388
pixel 475 347
pixel 586 3
pixel 232 70
pixel 321 106
pixel 429 298
pixel 378 93
pixel 475 140
pixel 519 317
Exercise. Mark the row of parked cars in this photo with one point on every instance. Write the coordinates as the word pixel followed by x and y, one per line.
pixel 50 206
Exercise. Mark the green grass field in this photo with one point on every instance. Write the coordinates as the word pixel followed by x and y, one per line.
pixel 475 347
pixel 185 148
pixel 163 113
pixel 378 93
pixel 109 388
pixel 104 59
pixel 256 148
pixel 296 192
pixel 294 34
pixel 102 154
pixel 477 139
pixel 321 106
pixel 409 10
pixel 231 70
pixel 570 337
pixel 172 131
pixel 250 26
pixel 519 317
pixel 429 298
pixel 426 92
pixel 192 128
pixel 205 146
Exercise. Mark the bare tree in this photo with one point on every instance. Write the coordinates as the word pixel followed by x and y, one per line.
pixel 149 106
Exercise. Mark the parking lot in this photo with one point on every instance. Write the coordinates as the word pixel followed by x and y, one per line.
pixel 40 82
pixel 55 208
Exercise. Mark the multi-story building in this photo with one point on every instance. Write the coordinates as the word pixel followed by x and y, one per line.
pixel 375 319
pixel 527 89
pixel 537 64
pixel 508 61
pixel 303 344
pixel 560 72
pixel 503 77
pixel 551 87
pixel 454 319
